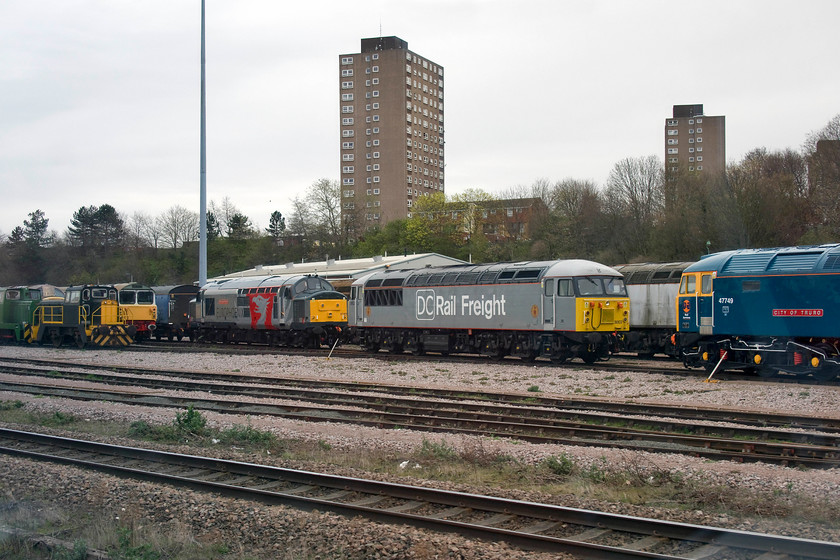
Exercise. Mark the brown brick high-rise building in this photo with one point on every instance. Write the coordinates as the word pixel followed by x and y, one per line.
pixel 391 111
pixel 695 142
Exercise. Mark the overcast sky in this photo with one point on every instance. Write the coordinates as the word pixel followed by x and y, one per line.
pixel 99 99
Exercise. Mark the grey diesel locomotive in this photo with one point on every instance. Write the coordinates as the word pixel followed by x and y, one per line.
pixel 551 309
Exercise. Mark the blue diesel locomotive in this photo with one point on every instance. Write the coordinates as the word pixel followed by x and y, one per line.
pixel 763 310
pixel 551 309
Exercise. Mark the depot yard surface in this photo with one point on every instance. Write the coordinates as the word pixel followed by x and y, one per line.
pixel 753 497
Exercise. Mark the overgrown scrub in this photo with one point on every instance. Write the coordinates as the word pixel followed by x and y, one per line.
pixel 191 426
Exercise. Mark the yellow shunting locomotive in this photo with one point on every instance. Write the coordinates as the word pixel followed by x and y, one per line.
pixel 87 314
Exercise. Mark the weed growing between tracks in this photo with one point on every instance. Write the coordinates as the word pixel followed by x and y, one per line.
pixel 630 480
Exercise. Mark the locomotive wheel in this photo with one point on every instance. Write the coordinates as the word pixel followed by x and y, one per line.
pixel 589 357
pixel 395 348
pixel 825 374
pixel 56 338
pixel 558 360
pixel 766 372
pixel 80 342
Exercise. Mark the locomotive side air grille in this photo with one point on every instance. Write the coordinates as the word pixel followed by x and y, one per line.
pixel 746 263
pixel 832 263
pixel 788 262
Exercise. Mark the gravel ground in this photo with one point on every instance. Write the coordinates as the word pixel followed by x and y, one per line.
pixel 327 536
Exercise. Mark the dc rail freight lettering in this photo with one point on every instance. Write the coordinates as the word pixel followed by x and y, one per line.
pixel 286 310
pixel 551 309
pixel 763 310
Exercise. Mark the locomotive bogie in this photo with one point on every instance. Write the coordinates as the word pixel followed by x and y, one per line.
pixel 552 309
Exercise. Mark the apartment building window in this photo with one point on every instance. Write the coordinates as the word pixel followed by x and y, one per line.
pixel 699 121
pixel 346 121
pixel 376 105
pixel 376 142
pixel 408 203
pixel 699 130
pixel 347 72
pixel 349 205
pixel 375 155
pixel 673 141
pixel 368 192
pixel 673 122
pixel 699 158
pixel 376 57
pixel 349 194
pixel 673 150
pixel 376 93
pixel 347 85
pixel 376 167
pixel 376 216
pixel 348 181
pixel 691 140
pixel 376 80
pixel 672 160
pixel 691 131
pixel 376 203
pixel 699 139
pixel 699 148
pixel 375 118
pixel 375 68
pixel 690 121
pixel 347 145
pixel 347 60
pixel 673 132
pixel 699 168
pixel 690 168
pixel 691 150
pixel 347 157
pixel 376 180
pixel 347 133
pixel 691 159
pixel 347 169
pixel 367 144
pixel 346 108
pixel 376 129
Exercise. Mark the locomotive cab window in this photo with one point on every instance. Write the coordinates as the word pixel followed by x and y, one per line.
pixel 549 287
pixel 688 284
pixel 614 287
pixel 564 288
pixel 706 284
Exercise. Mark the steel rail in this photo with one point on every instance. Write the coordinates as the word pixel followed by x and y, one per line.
pixel 524 524
pixel 507 412
pixel 589 406
pixel 713 448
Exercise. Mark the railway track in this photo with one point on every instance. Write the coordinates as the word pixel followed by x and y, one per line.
pixel 531 526
pixel 540 420
pixel 619 363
